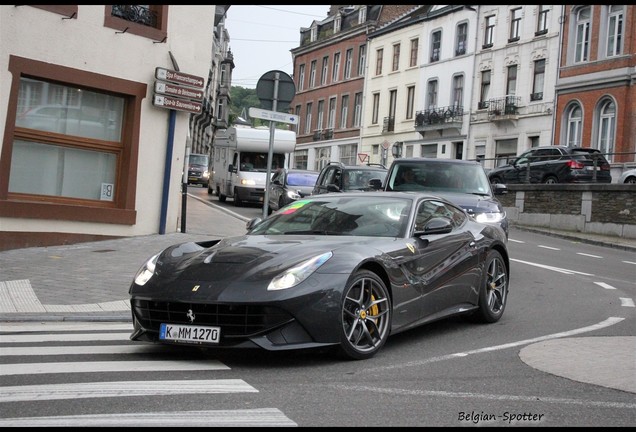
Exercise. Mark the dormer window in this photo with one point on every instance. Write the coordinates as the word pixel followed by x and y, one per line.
pixel 362 14
pixel 314 33
pixel 337 23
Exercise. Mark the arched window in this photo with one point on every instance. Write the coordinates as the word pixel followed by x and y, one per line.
pixel 574 125
pixel 606 128
pixel 582 34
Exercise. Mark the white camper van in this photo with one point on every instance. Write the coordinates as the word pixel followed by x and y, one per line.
pixel 239 166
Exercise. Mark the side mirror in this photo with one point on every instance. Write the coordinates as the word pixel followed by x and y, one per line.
pixel 499 189
pixel 438 225
pixel 230 168
pixel 252 222
pixel 375 183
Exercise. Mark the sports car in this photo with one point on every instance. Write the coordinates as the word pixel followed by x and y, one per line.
pixel 340 270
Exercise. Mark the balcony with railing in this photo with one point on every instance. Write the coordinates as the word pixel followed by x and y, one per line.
pixel 439 118
pixel 317 134
pixel 327 134
pixel 504 108
pixel 388 125
pixel 140 14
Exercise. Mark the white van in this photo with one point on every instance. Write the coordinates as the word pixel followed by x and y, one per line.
pixel 240 162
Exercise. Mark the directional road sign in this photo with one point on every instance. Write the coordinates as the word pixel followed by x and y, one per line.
pixel 273 116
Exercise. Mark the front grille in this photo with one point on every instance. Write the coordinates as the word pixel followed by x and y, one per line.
pixel 234 320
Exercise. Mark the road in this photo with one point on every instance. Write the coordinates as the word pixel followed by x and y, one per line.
pixel 450 373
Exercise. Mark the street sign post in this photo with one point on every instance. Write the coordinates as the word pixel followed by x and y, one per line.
pixel 273 116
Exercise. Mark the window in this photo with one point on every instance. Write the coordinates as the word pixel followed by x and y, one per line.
pixel 538 79
pixel 489 31
pixel 357 110
pixel 607 126
pixel 534 141
pixel 436 45
pixel 431 94
pixel 458 91
pixel 337 23
pixel 331 120
pixel 78 137
pixel 542 20
pixel 348 61
pixel 614 30
pixel 323 155
pixel 511 83
pixel 396 58
pixel 348 153
pixel 392 103
pixel 219 109
pixel 362 59
pixel 378 61
pixel 320 114
pixel 410 101
pixel 308 119
pixel 515 25
pixel 296 127
pixel 301 77
pixel 376 107
pixel 301 159
pixel 574 124
pixel 462 35
pixel 582 46
pixel 485 89
pixel 314 33
pixel 325 70
pixel 149 21
pixel 336 67
pixel 312 74
pixel 344 111
pixel 362 14
pixel 414 48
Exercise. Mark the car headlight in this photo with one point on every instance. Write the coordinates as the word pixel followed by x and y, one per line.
pixel 293 195
pixel 295 275
pixel 146 271
pixel 206 174
pixel 248 182
pixel 493 217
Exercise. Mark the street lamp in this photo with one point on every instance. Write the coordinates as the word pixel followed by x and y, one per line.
pixel 396 150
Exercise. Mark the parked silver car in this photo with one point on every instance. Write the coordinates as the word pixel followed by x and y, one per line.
pixel 628 176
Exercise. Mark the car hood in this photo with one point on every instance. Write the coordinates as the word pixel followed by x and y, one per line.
pixel 253 257
pixel 473 203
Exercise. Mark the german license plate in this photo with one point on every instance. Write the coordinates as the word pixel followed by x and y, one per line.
pixel 189 333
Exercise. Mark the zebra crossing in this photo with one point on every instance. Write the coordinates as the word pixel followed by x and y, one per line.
pixel 33 343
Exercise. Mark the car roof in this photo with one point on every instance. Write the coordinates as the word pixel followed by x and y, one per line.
pixel 436 160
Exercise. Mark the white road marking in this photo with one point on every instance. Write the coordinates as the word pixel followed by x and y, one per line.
pixel 62 337
pixel 548 247
pixel 515 241
pixel 557 269
pixel 588 255
pixel 109 366
pixel 84 349
pixel 629 262
pixel 608 322
pixel 263 417
pixel 604 285
pixel 122 388
pixel 627 302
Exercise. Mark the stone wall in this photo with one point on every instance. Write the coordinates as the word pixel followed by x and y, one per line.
pixel 608 209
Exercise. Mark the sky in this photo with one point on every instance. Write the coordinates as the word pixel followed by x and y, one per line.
pixel 261 38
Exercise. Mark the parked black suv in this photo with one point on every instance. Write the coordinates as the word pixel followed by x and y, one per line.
pixel 338 177
pixel 461 181
pixel 555 164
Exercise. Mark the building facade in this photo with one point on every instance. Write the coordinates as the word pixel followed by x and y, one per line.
pixel 87 154
pixel 596 84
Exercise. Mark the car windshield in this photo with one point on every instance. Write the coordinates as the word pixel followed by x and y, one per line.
pixel 301 179
pixel 440 177
pixel 341 215
pixel 198 160
pixel 358 179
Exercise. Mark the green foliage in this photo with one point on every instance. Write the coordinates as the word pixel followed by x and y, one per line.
pixel 242 98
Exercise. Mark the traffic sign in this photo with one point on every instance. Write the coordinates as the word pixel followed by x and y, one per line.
pixel 275 80
pixel 273 116
pixel 179 77
pixel 177 104
pixel 178 91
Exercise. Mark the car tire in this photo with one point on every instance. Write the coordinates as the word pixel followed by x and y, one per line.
pixel 220 195
pixel 630 180
pixel 366 316
pixel 550 180
pixel 237 199
pixel 210 190
pixel 493 294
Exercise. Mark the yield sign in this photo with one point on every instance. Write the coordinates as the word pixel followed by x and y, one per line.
pixel 363 157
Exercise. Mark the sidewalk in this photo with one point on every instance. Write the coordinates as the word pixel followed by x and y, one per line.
pixel 89 282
